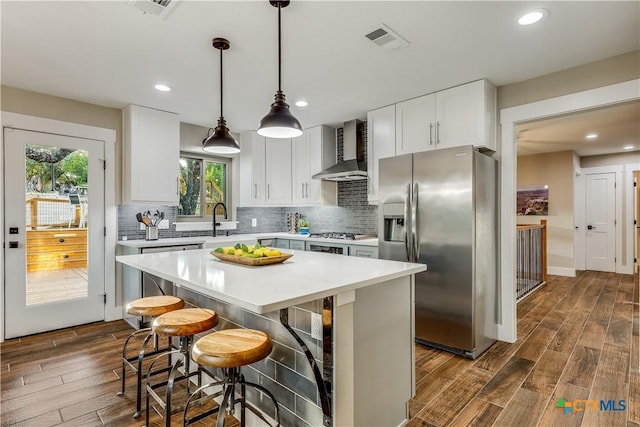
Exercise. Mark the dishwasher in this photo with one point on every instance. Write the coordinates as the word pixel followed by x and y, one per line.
pixel 151 285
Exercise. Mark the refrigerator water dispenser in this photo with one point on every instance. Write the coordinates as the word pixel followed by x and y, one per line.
pixel 394 223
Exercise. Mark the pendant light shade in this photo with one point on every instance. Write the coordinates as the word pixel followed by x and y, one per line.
pixel 219 140
pixel 279 122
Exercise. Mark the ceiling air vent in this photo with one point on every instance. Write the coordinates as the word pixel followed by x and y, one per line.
pixel 385 37
pixel 161 8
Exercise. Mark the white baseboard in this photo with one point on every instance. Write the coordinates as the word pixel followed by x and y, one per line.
pixel 561 271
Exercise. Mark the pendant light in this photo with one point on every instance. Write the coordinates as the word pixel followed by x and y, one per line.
pixel 219 140
pixel 279 122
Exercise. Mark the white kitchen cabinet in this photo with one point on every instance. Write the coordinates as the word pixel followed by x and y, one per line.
pixel 462 115
pixel 415 125
pixel 278 171
pixel 312 152
pixel 282 244
pixel 296 245
pixel 151 155
pixel 381 143
pixel 363 251
pixel 252 169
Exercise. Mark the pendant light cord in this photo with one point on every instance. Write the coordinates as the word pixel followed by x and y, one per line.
pixel 221 115
pixel 279 50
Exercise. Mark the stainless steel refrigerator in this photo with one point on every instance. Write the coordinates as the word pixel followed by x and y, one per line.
pixel 439 208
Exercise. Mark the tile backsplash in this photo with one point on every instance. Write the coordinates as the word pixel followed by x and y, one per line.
pixel 353 213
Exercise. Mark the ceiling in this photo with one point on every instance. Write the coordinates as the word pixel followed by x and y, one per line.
pixel 109 53
pixel 617 126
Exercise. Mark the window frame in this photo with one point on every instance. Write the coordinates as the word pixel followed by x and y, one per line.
pixel 227 185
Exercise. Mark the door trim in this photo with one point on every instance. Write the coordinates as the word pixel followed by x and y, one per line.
pixel 624 216
pixel 113 308
pixel 509 118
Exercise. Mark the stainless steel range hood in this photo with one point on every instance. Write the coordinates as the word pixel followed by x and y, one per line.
pixel 354 166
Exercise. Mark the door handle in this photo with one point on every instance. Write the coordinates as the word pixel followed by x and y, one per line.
pixel 414 224
pixel 407 205
pixel 590 227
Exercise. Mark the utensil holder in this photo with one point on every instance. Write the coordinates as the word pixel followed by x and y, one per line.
pixel 152 233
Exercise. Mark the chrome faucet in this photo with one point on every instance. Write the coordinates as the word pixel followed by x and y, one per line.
pixel 213 215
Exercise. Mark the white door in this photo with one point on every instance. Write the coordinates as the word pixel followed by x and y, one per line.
pixel 54 231
pixel 600 221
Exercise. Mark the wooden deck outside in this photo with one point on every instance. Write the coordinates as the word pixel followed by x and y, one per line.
pixel 56 285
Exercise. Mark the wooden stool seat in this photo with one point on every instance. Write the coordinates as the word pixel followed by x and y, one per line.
pixel 154 306
pixel 231 348
pixel 185 322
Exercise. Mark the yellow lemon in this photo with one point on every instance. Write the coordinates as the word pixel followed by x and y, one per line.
pixel 275 252
pixel 238 252
pixel 230 251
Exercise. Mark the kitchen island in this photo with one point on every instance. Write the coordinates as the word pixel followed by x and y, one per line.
pixel 366 344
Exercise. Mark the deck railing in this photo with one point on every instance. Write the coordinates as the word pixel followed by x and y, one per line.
pixel 531 255
pixel 44 212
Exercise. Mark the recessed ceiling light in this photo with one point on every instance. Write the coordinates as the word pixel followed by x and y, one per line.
pixel 163 88
pixel 629 147
pixel 302 103
pixel 591 136
pixel 533 16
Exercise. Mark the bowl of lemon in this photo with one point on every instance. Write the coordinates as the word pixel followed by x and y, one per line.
pixel 250 254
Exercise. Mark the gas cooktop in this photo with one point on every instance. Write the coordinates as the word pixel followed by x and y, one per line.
pixel 342 236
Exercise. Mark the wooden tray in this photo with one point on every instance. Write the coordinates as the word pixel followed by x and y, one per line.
pixel 236 259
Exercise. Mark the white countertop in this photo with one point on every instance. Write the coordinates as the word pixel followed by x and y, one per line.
pixel 222 240
pixel 304 277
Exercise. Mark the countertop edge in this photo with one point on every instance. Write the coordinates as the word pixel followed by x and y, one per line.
pixel 269 307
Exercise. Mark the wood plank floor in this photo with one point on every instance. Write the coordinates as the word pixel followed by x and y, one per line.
pixel 577 339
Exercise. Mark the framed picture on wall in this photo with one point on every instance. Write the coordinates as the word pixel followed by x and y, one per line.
pixel 533 200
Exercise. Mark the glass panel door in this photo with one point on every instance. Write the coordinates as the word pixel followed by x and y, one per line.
pixel 54 263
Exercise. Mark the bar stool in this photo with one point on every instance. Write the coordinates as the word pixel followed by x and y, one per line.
pixel 151 307
pixel 183 324
pixel 229 350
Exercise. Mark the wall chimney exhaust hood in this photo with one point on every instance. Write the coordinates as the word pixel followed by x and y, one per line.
pixel 354 166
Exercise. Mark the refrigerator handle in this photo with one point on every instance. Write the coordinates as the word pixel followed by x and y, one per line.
pixel 407 207
pixel 414 224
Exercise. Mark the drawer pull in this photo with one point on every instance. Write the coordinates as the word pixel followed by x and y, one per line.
pixel 61 240
pixel 65 256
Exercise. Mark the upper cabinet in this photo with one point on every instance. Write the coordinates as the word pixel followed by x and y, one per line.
pixel 381 143
pixel 151 155
pixel 252 163
pixel 462 115
pixel 265 170
pixel 278 171
pixel 312 152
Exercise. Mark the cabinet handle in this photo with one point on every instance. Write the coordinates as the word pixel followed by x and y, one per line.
pixel 178 187
pixel 268 192
pixel 302 191
pixel 61 240
pixel 307 190
pixel 65 256
pixel 437 133
pixel 430 133
pixel 255 191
